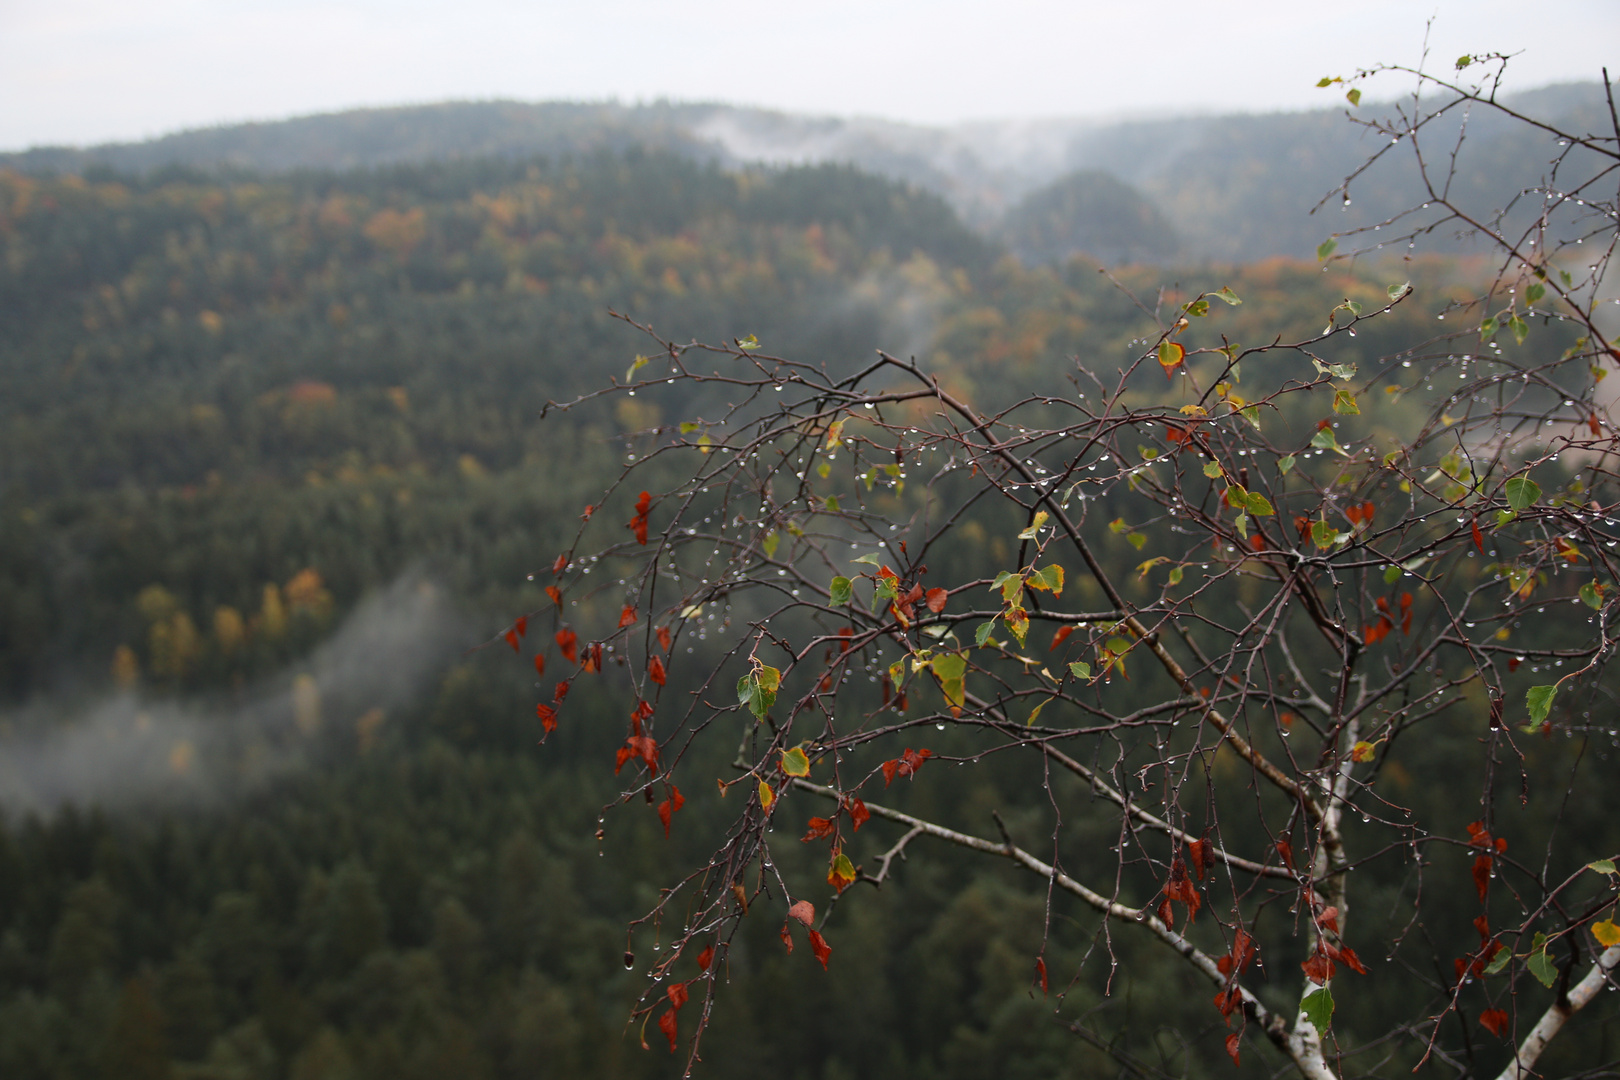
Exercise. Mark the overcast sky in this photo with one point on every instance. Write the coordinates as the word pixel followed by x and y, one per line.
pixel 85 71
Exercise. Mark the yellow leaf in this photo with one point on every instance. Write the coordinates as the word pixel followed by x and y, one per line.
pixel 766 796
pixel 1606 932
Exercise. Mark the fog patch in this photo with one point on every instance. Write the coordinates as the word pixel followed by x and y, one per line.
pixel 127 751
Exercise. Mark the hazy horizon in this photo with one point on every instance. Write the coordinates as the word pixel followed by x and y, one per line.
pixel 89 72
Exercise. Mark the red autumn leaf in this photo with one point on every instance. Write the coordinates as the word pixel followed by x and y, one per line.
pixel 666 1024
pixel 1318 969
pixel 665 812
pixel 1223 964
pixel 1232 1042
pixel 907 764
pixel 1040 971
pixel 589 510
pixel 560 692
pixel 624 755
pixel 560 565
pixel 804 911
pixel 1459 968
pixel 644 503
pixel 1285 851
pixel 627 617
pixel 1483 925
pixel 655 670
pixel 858 813
pixel 1257 542
pixel 1059 637
pixel 1513 664
pixel 555 594
pixel 1406 613
pixel 1303 525
pixel 548 718
pixel 787 938
pixel 1167 914
pixel 522 625
pixel 1202 853
pixel 645 748
pixel 1494 1021
pixel 1243 950
pixel 539 663
pixel 1593 426
pixel 705 958
pixel 1482 875
pixel 1228 999
pixel 1501 843
pixel 1479 540
pixel 677 995
pixel 511 637
pixel 1323 425
pixel 568 642
pixel 1380 630
pixel 1478 835
pixel 1348 957
pixel 663 638
pixel 593 658
pixel 819 946
pixel 936 599
pixel 819 827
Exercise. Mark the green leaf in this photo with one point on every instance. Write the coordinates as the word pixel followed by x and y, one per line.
pixel 1147 453
pixel 1464 61
pixel 1354 96
pixel 869 560
pixel 1174 577
pixel 639 363
pixel 1080 669
pixel 1522 492
pixel 1501 961
pixel 770 543
pixel 1171 354
pixel 1197 308
pixel 1258 506
pixel 1602 866
pixel 1392 574
pixel 1136 540
pixel 1487 329
pixel 982 635
pixel 746 688
pixel 1050 579
pixel 1519 328
pixel 1034 525
pixel 1539 699
pixel 824 470
pixel 1345 402
pixel 1036 711
pixel 1540 964
pixel 689 426
pixel 840 591
pixel 1285 463
pixel 1324 440
pixel 1323 535
pixel 1017 620
pixel 1326 248
pixel 949 668
pixel 1592 593
pixel 1397 291
pixel 748 344
pixel 1229 296
pixel 1252 415
pixel 832 503
pixel 1318 1008
pixel 795 762
pixel 1213 470
pixel 1535 292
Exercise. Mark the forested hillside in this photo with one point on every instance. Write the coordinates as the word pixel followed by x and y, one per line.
pixel 237 408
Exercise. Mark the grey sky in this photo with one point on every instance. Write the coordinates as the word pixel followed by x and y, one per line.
pixel 82 71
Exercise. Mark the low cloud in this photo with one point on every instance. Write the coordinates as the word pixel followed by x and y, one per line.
pixel 128 751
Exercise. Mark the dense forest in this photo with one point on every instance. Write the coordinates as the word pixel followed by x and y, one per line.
pixel 273 478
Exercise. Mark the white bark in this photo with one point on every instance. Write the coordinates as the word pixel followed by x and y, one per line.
pixel 1558 1013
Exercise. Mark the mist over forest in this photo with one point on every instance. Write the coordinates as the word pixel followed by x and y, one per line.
pixel 273 481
